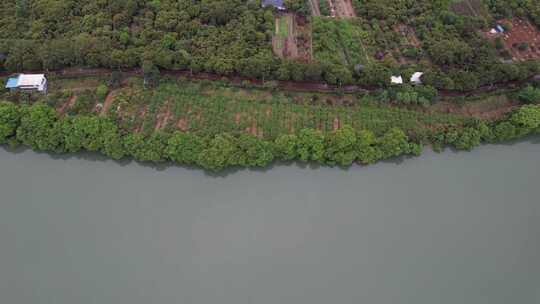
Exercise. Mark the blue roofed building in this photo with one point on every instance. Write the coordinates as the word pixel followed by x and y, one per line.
pixel 12 82
pixel 279 4
pixel 27 82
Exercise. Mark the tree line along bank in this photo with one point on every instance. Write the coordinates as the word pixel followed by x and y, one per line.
pixel 39 127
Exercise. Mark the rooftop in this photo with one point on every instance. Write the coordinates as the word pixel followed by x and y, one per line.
pixel 30 79
pixel 279 4
pixel 12 82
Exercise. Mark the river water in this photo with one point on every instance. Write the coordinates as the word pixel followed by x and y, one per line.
pixel 450 228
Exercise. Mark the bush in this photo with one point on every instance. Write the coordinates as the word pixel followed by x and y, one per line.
pixel 529 94
pixel 102 91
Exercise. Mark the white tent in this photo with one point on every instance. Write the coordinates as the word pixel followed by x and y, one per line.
pixel 416 78
pixel 396 79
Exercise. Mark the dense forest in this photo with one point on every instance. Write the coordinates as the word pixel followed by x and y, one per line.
pixel 234 37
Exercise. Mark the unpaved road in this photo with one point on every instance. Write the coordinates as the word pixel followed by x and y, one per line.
pixel 314 4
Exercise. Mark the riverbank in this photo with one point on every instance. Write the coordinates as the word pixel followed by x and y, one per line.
pixel 40 127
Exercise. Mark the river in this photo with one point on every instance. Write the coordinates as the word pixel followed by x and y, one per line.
pixel 449 228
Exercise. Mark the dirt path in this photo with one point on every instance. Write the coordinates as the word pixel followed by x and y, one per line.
pixel 304 86
pixel 68 104
pixel 107 104
pixel 315 10
pixel 341 8
pixel 291 48
pixel 163 117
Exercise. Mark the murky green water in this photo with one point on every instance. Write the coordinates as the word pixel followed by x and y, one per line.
pixel 443 228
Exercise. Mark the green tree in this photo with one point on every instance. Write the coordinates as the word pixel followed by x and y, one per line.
pixel 150 73
pixel 10 117
pixel 368 152
pixel 393 143
pixel 467 139
pixel 529 94
pixel 143 148
pixel 216 155
pixel 341 146
pixel 310 145
pixel 252 151
pixel 527 117
pixel 286 146
pixel 184 148
pixel 37 121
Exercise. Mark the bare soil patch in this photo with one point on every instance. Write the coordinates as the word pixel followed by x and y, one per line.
pixel 163 116
pixel 522 32
pixel 68 104
pixel 107 104
pixel 472 8
pixel 296 43
pixel 491 109
pixel 341 8
pixel 314 5
pixel 182 124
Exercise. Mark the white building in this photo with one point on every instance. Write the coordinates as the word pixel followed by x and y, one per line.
pixel 396 80
pixel 28 82
pixel 416 78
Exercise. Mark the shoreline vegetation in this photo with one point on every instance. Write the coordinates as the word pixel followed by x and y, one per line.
pixel 40 127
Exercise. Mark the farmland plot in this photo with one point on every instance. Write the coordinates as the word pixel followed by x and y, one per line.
pixel 341 8
pixel 472 8
pixel 207 109
pixel 522 32
pixel 339 41
pixel 292 38
pixel 521 42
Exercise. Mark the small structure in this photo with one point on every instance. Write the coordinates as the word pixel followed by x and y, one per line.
pixel 396 80
pixel 28 82
pixel 278 4
pixel 493 31
pixel 416 78
pixel 359 68
pixel 380 55
pixel 499 28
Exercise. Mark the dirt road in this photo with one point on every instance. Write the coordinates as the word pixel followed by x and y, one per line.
pixel 314 4
pixel 295 86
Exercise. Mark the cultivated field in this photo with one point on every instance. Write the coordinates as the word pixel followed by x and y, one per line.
pixel 339 41
pixel 341 8
pixel 470 8
pixel 210 108
pixel 292 38
pixel 522 32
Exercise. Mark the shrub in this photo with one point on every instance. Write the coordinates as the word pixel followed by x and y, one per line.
pixel 101 91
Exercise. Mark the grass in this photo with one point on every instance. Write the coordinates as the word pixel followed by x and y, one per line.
pixel 339 41
pixel 283 27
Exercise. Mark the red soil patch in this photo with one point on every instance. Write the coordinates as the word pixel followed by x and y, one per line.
pixel 476 110
pixel 68 104
pixel 522 32
pixel 336 124
pixel 237 117
pixel 163 117
pixel 141 115
pixel 182 124
pixel 341 8
pixel 297 44
pixel 107 104
pixel 314 5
